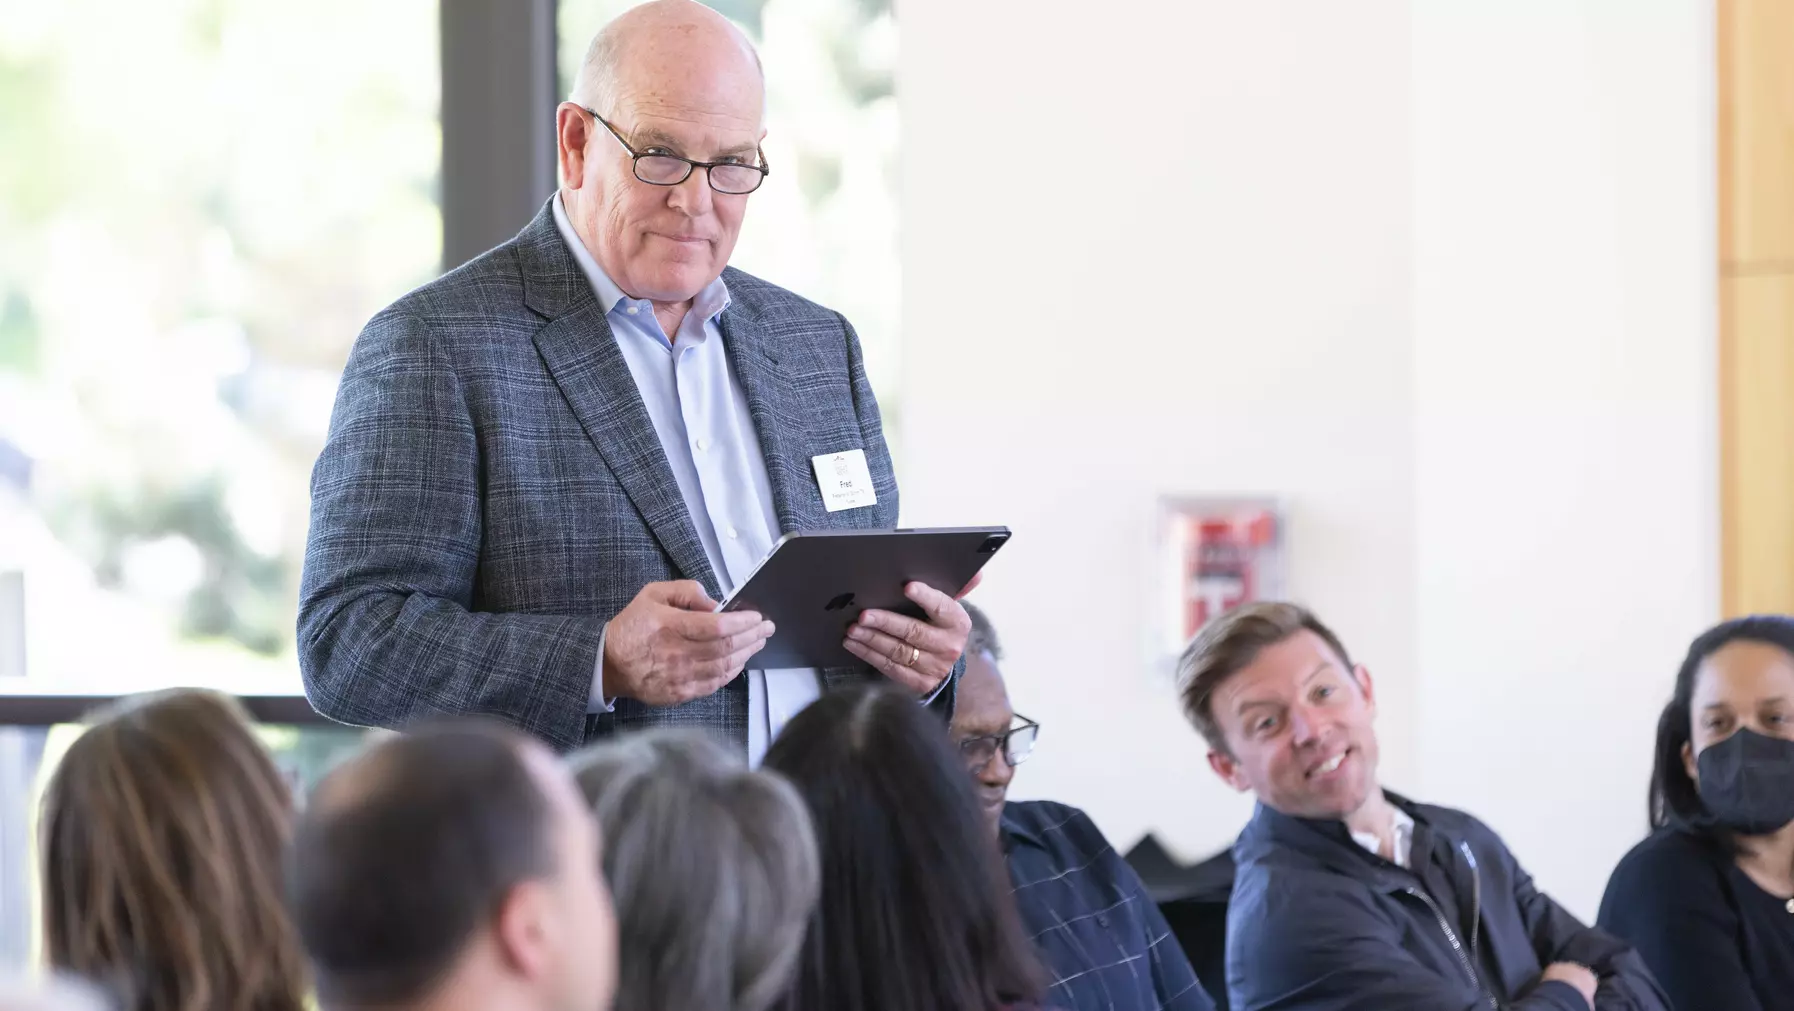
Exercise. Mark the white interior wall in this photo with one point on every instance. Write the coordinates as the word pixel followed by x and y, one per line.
pixel 1566 398
pixel 1182 267
pixel 1437 274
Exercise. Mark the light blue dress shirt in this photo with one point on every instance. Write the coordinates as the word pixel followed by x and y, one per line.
pixel 701 416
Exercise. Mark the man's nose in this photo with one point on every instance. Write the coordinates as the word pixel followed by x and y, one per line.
pixel 999 772
pixel 1304 727
pixel 692 196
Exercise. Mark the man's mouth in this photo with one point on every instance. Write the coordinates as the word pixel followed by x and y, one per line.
pixel 1330 765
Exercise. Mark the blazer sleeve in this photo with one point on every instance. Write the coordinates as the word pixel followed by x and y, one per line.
pixel 1314 945
pixel 1675 910
pixel 1557 936
pixel 388 628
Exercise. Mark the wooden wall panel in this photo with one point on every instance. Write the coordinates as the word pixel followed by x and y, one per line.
pixel 1756 332
pixel 1758 399
pixel 1756 91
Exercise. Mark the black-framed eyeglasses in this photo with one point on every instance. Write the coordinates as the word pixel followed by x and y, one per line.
pixel 659 168
pixel 1016 743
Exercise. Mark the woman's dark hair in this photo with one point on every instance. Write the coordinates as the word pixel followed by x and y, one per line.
pixel 162 831
pixel 915 909
pixel 1675 801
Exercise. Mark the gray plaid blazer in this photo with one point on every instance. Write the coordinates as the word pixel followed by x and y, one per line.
pixel 492 492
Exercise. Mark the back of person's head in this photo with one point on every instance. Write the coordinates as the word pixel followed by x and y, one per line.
pixel 713 868
pixel 457 858
pixel 916 909
pixel 1757 653
pixel 982 641
pixel 162 832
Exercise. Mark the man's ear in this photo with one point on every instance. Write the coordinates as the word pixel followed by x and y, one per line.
pixel 1361 674
pixel 1228 769
pixel 522 929
pixel 572 128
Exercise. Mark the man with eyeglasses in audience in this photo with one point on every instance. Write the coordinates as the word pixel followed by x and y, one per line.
pixel 1099 932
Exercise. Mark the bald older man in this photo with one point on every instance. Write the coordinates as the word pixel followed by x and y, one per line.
pixel 545 468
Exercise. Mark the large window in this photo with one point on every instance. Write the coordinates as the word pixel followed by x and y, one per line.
pixel 201 201
pixel 825 223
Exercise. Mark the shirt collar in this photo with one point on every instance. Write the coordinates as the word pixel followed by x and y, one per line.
pixel 1014 829
pixel 709 303
pixel 1401 833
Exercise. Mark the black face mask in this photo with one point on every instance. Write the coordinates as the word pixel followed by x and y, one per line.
pixel 1747 782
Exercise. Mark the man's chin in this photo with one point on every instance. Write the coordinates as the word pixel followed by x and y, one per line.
pixel 993 812
pixel 1328 806
pixel 675 282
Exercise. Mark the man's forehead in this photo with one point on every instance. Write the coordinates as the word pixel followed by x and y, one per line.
pixel 689 115
pixel 713 88
pixel 982 701
pixel 1275 671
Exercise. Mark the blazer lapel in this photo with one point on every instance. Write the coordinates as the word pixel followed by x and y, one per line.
pixel 770 404
pixel 582 356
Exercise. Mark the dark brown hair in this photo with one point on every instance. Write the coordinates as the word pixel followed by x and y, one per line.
pixel 404 851
pixel 1229 644
pixel 916 910
pixel 162 834
pixel 1675 800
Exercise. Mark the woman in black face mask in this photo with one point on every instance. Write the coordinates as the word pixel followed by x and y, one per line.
pixel 1708 899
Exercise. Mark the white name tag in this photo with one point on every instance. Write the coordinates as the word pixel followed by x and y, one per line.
pixel 845 481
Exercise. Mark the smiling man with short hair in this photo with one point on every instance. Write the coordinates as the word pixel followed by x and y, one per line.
pixel 1351 898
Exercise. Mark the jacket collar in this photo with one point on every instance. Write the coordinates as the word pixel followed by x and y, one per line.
pixel 1015 829
pixel 1327 842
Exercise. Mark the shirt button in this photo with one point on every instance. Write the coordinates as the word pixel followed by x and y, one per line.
pixel 701 444
pixel 632 310
pixel 1102 921
pixel 733 533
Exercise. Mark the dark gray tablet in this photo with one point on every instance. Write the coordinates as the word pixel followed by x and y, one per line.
pixel 813 585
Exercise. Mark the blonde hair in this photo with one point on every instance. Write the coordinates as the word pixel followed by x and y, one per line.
pixel 163 831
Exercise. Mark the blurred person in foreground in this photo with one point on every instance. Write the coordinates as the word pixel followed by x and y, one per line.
pixel 162 833
pixel 713 869
pixel 1351 898
pixel 546 467
pixel 915 909
pixel 453 869
pixel 1709 897
pixel 1099 932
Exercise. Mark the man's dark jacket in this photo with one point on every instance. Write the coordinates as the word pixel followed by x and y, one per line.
pixel 1319 923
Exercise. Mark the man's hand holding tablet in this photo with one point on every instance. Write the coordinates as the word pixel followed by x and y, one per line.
pixel 917 654
pixel 884 598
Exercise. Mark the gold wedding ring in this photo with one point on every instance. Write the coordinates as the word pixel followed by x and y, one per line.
pixel 914 655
